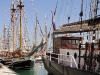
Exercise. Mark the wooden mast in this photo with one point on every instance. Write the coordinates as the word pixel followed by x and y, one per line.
pixel 20 7
pixel 12 20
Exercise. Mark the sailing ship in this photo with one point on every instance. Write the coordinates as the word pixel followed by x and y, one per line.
pixel 18 58
pixel 75 55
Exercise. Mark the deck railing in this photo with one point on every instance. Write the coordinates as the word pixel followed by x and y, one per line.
pixel 60 57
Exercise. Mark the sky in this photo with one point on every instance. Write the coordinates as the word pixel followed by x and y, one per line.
pixel 64 9
pixel 41 6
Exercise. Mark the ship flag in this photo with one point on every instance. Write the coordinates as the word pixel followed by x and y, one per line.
pixel 41 30
pixel 48 34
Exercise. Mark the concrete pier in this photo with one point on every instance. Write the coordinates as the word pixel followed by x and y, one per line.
pixel 6 71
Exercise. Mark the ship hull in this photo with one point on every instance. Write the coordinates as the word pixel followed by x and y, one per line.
pixel 23 65
pixel 54 68
pixel 5 62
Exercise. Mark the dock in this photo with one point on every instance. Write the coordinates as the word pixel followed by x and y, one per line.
pixel 6 71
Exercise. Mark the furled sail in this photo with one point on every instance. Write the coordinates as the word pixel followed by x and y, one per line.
pixel 35 48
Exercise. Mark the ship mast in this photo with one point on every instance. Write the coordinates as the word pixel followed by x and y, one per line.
pixel 35 34
pixel 36 29
pixel 46 32
pixel 20 7
pixel 5 31
pixel 80 43
pixel 12 20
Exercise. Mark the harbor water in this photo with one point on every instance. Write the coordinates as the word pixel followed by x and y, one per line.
pixel 38 69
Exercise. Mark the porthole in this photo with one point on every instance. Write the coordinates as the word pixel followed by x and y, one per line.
pixel 67 53
pixel 75 55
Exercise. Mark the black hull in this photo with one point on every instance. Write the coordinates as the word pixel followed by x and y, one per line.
pixel 54 68
pixel 5 62
pixel 23 65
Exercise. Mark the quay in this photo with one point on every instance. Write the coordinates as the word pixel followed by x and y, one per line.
pixel 6 71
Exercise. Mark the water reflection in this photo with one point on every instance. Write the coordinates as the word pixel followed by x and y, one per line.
pixel 38 69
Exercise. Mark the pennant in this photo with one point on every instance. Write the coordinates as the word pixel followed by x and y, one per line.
pixel 32 5
pixel 41 30
pixel 48 34
pixel 31 0
pixel 12 17
pixel 54 26
pixel 37 20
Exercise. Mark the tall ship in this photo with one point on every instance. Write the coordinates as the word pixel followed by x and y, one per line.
pixel 17 53
pixel 76 46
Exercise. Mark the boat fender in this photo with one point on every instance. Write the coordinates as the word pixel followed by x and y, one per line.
pixel 88 62
pixel 94 64
pixel 89 47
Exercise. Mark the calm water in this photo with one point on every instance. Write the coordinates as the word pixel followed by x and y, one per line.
pixel 38 69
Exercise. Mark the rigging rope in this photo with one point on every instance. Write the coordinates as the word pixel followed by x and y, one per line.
pixel 59 13
pixel 70 10
pixel 66 3
pixel 25 29
pixel 81 14
pixel 35 11
pixel 55 8
pixel 85 11
pixel 75 10
pixel 90 13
